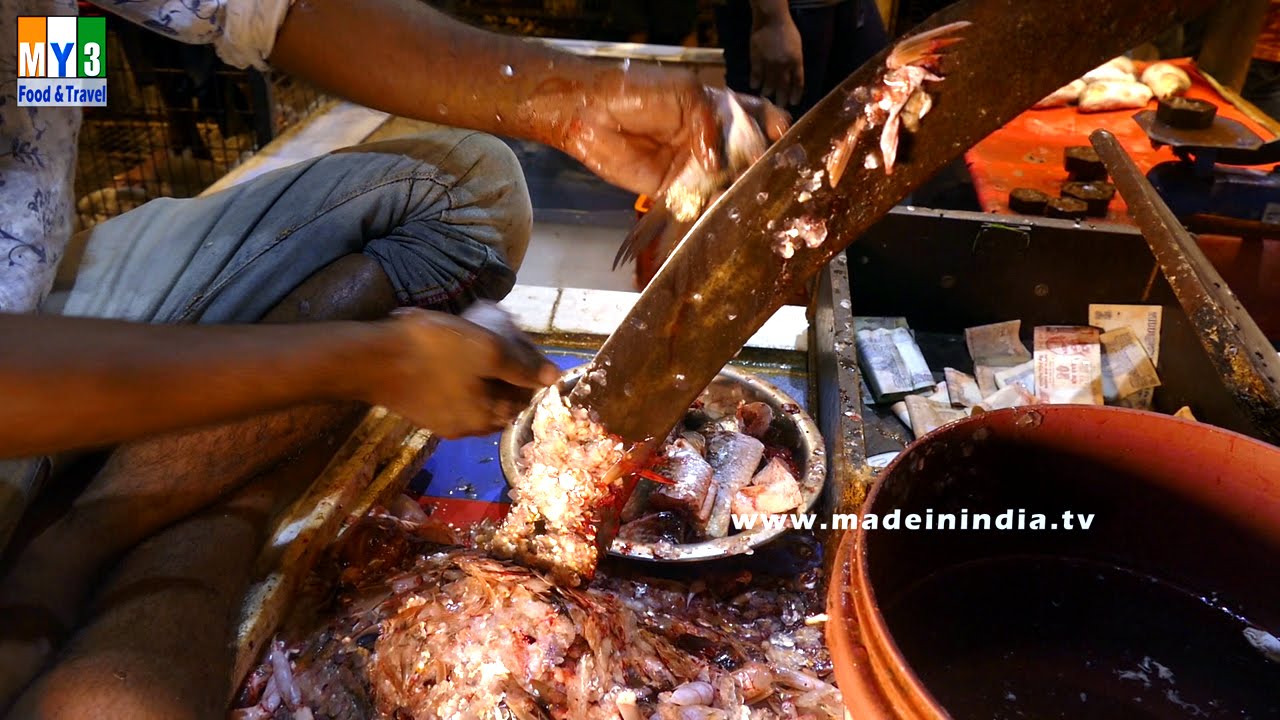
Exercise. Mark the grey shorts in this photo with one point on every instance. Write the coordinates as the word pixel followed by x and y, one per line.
pixel 446 214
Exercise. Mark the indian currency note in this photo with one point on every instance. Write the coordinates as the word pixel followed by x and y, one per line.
pixel 1068 363
pixel 1024 375
pixel 909 351
pixel 899 410
pixel 940 394
pixel 1126 368
pixel 962 388
pixel 927 415
pixel 1145 321
pixel 892 362
pixel 863 322
pixel 985 376
pixel 1008 397
pixel 997 344
pixel 868 398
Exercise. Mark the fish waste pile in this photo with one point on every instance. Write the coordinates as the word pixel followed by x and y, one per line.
pixel 419 631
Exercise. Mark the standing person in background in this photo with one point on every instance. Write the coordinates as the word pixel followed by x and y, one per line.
pixel 796 51
pixel 1262 84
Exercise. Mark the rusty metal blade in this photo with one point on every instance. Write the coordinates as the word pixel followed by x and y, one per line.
pixel 383 451
pixel 724 280
pixel 1234 342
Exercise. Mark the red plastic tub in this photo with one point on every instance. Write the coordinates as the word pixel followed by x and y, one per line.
pixel 1149 613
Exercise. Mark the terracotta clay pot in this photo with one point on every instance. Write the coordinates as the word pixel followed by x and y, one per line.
pixel 1149 613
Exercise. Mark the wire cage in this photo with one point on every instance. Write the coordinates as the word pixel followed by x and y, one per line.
pixel 177 120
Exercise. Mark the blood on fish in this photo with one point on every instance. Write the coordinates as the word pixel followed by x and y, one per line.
pixel 651 475
pixel 570 477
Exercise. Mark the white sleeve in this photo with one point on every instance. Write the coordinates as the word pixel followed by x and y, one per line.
pixel 242 31
pixel 250 30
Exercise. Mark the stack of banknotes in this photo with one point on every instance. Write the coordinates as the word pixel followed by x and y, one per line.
pixel 1111 361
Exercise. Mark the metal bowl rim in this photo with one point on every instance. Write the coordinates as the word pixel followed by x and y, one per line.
pixel 812 482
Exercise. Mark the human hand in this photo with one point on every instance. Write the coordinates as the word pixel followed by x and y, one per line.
pixel 695 187
pixel 637 127
pixel 455 377
pixel 777 60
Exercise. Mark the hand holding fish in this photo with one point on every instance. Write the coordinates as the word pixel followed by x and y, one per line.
pixel 743 128
pixel 898 99
pixel 641 127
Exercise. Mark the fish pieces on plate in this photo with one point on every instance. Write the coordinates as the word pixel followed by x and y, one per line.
pixel 723 461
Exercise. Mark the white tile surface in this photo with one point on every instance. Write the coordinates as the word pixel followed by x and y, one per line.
pixel 531 307
pixel 599 312
pixel 788 329
pixel 574 256
pixel 593 312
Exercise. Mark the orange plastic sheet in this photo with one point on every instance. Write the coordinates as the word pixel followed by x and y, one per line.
pixel 1027 152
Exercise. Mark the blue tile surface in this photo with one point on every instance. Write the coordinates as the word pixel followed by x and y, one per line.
pixel 470 468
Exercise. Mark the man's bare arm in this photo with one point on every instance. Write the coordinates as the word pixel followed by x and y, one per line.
pixel 71 382
pixel 406 58
pixel 636 127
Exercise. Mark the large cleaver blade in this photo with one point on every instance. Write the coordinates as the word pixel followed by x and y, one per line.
pixel 725 280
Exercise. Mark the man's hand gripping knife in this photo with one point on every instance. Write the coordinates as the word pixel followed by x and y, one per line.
pixel 114 381
pixel 486 370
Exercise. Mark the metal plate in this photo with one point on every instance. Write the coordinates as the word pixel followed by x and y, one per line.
pixel 805 443
pixel 1223 133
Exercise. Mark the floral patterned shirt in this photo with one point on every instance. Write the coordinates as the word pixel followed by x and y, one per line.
pixel 38 145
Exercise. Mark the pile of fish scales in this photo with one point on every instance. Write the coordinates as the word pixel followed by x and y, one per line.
pixel 420 632
pixel 558 501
